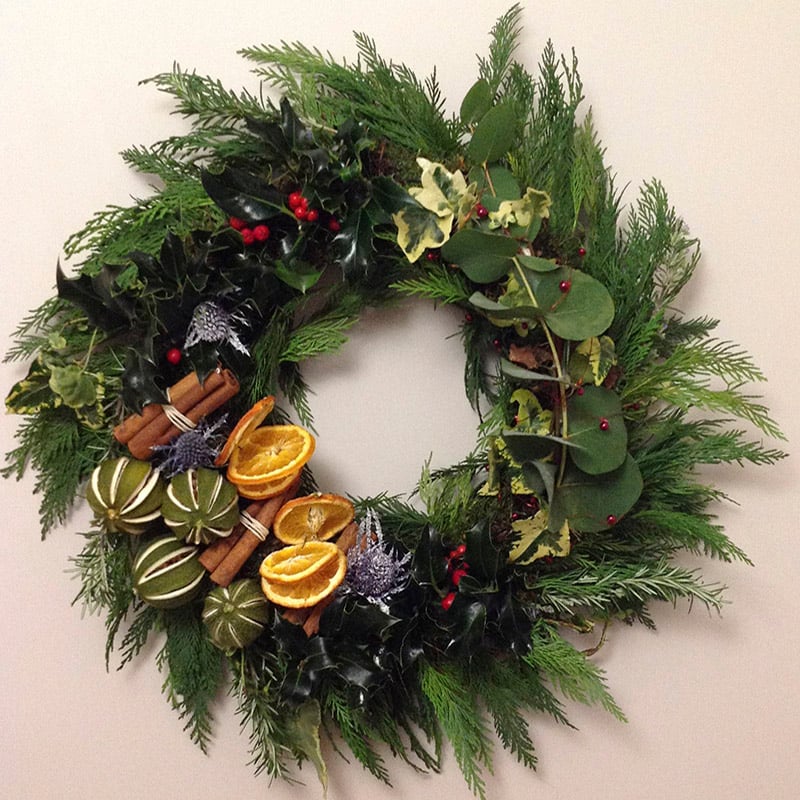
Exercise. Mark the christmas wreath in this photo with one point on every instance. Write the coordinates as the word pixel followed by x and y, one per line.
pixel 386 621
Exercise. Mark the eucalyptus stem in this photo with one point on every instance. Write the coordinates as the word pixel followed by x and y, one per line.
pixel 562 390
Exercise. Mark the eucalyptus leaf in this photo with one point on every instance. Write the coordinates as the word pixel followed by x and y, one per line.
pixel 499 185
pixel 585 309
pixel 494 135
pixel 483 257
pixel 589 501
pixel 477 101
pixel 541 475
pixel 525 447
pixel 597 427
pixel 538 264
pixel 501 311
pixel 515 371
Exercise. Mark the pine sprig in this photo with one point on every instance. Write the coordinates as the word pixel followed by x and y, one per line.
pixel 439 284
pixel 569 670
pixel 194 671
pixel 504 40
pixel 448 689
pixel 620 587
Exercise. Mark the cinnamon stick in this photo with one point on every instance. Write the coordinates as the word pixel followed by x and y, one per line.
pixel 247 543
pixel 131 425
pixel 198 402
pixel 213 555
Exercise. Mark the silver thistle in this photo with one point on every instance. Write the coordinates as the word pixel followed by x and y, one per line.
pixel 212 323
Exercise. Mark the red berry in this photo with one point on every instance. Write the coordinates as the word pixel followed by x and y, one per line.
pixel 497 344
pixel 514 516
pixel 301 212
pixel 468 317
pixel 565 286
pixel 261 232
pixel 458 552
pixel 248 237
pixel 581 251
pixel 447 600
pixel 579 391
pixel 611 520
pixel 431 255
pixel 524 325
pixel 604 424
pixel 295 199
pixel 174 356
pixel 481 211
pixel 236 223
pixel 334 225
pixel 457 575
pixel 312 215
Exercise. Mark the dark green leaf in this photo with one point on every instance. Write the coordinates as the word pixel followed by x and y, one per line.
pixel 585 310
pixel 300 275
pixel 240 194
pixel 531 446
pixel 538 264
pixel 541 477
pixel 139 386
pixel 97 297
pixel 483 257
pixel 597 450
pixel 587 501
pixel 353 244
pixel 482 555
pixel 499 185
pixel 390 196
pixel 477 101
pixel 494 135
pixel 515 371
pixel 303 729
pixel 502 311
pixel 466 624
pixel 429 567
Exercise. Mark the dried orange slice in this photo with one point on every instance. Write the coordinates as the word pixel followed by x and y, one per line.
pixel 246 425
pixel 262 491
pixel 316 516
pixel 269 453
pixel 311 589
pixel 291 564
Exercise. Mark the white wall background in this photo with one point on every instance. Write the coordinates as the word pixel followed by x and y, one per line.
pixel 703 95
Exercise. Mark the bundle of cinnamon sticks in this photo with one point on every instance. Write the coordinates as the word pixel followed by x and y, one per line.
pixel 192 400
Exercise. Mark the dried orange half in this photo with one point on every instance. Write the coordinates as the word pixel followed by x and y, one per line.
pixel 316 516
pixel 246 425
pixel 262 491
pixel 269 453
pixel 299 576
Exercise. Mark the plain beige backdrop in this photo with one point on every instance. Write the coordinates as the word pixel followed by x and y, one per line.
pixel 703 95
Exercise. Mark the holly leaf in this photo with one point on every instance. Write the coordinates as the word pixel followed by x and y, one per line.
pixel 139 381
pixel 104 304
pixel 353 244
pixel 482 555
pixel 300 275
pixel 240 194
pixel 428 567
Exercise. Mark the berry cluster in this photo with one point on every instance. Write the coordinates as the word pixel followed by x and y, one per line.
pixel 457 568
pixel 258 233
pixel 298 204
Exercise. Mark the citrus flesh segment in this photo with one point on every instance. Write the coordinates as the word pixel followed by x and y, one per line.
pixel 249 422
pixel 316 516
pixel 311 589
pixel 297 562
pixel 270 453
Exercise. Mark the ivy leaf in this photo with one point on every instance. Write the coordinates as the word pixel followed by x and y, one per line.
pixel 73 385
pixel 592 359
pixel 303 730
pixel 240 194
pixel 597 449
pixel 419 228
pixel 536 541
pixel 483 257
pixel 33 392
pixel 588 500
pixel 477 102
pixel 494 135
pixel 353 243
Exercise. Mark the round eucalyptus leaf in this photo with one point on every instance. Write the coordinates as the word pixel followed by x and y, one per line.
pixel 597 429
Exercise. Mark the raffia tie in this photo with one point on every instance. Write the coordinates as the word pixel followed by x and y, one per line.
pixel 254 526
pixel 177 418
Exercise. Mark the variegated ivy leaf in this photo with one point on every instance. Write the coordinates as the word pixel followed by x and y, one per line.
pixel 73 385
pixel 592 359
pixel 531 417
pixel 535 541
pixel 419 229
pixel 444 198
pixel 32 393
pixel 532 205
